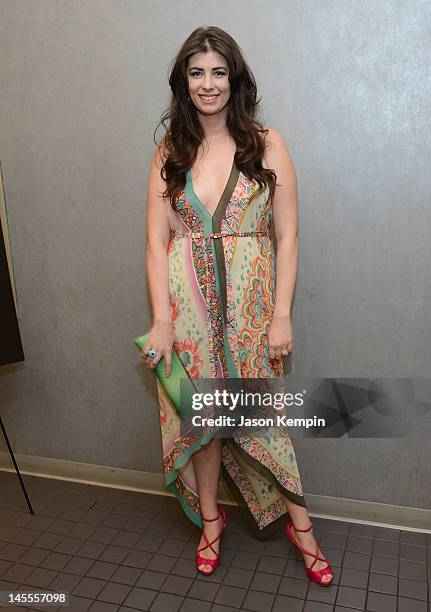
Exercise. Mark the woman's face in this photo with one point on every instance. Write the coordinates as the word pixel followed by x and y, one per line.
pixel 208 81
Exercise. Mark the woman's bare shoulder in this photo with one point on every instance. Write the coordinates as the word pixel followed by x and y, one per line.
pixel 277 154
pixel 156 182
pixel 273 140
pixel 160 154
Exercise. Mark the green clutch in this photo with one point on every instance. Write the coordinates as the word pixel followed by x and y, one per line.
pixel 178 386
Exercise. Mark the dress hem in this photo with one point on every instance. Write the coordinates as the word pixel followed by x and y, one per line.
pixel 259 467
pixel 260 534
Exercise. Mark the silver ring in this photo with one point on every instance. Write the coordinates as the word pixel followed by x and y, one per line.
pixel 285 352
pixel 151 353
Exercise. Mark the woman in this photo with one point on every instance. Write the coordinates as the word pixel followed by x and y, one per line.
pixel 212 199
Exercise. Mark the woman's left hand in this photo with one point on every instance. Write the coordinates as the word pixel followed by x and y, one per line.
pixel 280 336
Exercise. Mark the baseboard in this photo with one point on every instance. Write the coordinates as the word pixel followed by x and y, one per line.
pixel 351 510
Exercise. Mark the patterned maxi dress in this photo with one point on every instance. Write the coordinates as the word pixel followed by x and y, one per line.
pixel 221 285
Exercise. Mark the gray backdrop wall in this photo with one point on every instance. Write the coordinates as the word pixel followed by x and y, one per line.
pixel 83 86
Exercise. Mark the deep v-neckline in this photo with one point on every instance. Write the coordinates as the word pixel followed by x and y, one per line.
pixel 228 190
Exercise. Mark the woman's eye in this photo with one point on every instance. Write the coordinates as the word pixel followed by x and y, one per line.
pixel 217 72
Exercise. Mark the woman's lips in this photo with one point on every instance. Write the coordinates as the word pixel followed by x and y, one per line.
pixel 212 99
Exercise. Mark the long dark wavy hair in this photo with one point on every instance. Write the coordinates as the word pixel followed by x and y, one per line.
pixel 184 132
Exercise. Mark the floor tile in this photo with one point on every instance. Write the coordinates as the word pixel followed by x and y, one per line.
pixel 379 602
pixel 271 565
pixel 102 606
pixel 411 605
pixel 412 570
pixel 150 543
pixel 267 583
pixel 383 583
pixel 412 588
pixel 288 604
pixel 359 544
pixel 129 551
pixel 114 593
pixel 231 596
pixel 258 601
pixel 141 559
pixel 384 565
pixel 325 594
pixel 333 540
pixel 367 531
pixel 412 552
pixel 147 579
pixel 141 599
pixel 336 526
pixel 17 572
pixel 351 597
pixel 293 587
pixel 41 577
pixel 245 560
pixel 196 605
pixel 161 563
pixel 177 585
pixel 314 606
pixel 412 537
pixel 357 561
pixel 236 576
pixel 202 589
pixel 386 548
pixel 89 587
pixel 354 578
pixel 102 570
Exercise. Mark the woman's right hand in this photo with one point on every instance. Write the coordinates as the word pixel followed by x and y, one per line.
pixel 161 339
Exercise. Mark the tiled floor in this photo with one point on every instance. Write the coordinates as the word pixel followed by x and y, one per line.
pixel 120 550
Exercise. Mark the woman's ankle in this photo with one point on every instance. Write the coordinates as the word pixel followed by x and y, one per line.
pixel 210 511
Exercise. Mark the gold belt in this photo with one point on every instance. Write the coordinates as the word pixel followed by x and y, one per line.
pixel 219 234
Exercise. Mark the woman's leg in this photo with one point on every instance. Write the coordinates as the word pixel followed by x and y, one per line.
pixel 206 463
pixel 300 519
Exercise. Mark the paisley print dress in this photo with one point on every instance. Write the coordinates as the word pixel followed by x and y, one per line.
pixel 221 285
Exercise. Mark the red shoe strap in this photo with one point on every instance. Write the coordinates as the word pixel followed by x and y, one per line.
pixel 205 561
pixel 212 541
pixel 308 528
pixel 317 558
pixel 303 550
pixel 307 552
pixel 323 571
pixel 211 519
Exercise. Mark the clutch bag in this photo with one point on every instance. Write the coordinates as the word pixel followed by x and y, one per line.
pixel 178 386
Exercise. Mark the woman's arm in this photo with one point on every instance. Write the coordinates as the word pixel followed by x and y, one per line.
pixel 157 240
pixel 285 216
pixel 158 233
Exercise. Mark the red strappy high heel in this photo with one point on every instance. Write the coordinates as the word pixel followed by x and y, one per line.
pixel 315 575
pixel 213 562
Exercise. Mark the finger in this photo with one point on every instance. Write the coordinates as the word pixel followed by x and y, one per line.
pixel 153 362
pixel 146 348
pixel 168 364
pixel 145 356
pixel 145 351
pixel 271 353
pixel 278 352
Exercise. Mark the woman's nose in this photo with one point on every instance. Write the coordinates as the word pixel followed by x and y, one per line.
pixel 208 82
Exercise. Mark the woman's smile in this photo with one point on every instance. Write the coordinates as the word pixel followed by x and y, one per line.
pixel 208 99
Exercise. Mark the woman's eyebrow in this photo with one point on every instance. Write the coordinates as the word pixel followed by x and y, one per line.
pixel 216 68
